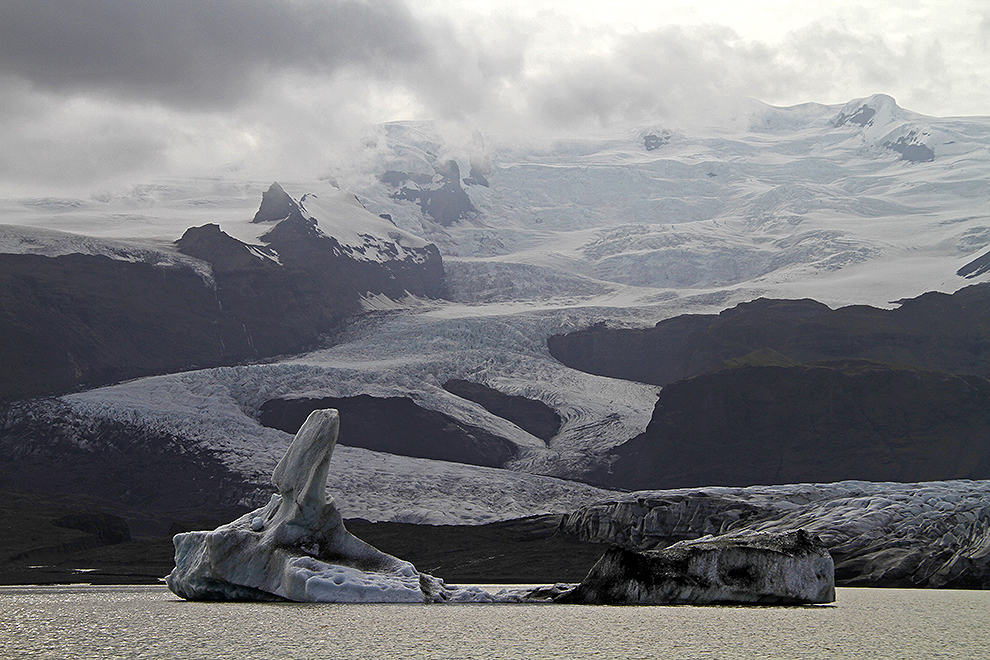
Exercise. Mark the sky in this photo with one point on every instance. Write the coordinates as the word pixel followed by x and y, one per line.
pixel 102 93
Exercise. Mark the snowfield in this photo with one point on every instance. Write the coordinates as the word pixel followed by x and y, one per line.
pixel 812 201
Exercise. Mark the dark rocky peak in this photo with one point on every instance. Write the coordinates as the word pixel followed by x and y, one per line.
pixel 448 169
pixel 911 147
pixel 653 140
pixel 276 205
pixel 223 251
pixel 292 230
pixel 862 117
pixel 975 268
pixel 864 112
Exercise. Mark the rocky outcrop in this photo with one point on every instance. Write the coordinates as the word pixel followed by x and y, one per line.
pixel 653 140
pixel 766 569
pixel 934 331
pixel 301 282
pixel 879 534
pixel 277 205
pixel 809 423
pixel 889 126
pixel 395 425
pixel 790 391
pixel 912 147
pixel 976 267
pixel 532 416
pixel 440 197
pixel 78 319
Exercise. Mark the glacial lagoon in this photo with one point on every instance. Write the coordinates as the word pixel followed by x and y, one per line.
pixel 84 621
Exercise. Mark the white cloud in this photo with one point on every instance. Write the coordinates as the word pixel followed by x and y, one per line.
pixel 93 90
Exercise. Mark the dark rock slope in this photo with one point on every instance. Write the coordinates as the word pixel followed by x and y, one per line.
pixel 814 423
pixel 789 391
pixel 440 197
pixel 50 450
pixel 395 425
pixel 80 319
pixel 934 331
pixel 534 417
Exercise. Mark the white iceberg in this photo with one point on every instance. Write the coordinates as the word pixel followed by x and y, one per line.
pixel 296 547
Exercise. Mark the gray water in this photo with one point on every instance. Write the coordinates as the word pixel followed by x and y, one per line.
pixel 150 622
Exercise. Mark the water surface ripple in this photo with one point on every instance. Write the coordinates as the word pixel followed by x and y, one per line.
pixel 149 622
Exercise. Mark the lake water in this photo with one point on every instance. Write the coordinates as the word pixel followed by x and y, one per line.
pixel 149 622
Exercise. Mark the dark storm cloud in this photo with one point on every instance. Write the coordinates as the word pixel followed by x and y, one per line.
pixel 206 53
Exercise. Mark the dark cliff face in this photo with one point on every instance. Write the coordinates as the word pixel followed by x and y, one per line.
pixel 933 331
pixel 824 423
pixel 80 320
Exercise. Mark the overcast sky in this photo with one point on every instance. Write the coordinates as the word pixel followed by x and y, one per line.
pixel 98 93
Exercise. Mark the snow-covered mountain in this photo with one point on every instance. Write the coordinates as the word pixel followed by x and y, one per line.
pixel 91 310
pixel 782 202
pixel 865 203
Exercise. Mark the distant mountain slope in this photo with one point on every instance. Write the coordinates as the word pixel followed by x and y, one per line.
pixel 81 313
pixel 932 331
pixel 780 198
